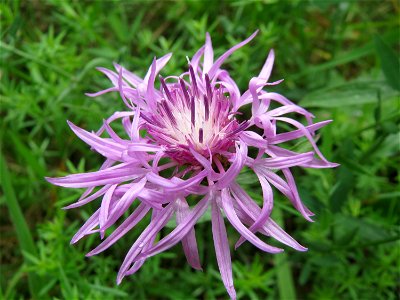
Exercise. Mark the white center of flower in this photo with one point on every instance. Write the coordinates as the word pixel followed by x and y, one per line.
pixel 193 124
pixel 196 119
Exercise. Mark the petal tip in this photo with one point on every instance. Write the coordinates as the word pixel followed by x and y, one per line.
pixel 90 254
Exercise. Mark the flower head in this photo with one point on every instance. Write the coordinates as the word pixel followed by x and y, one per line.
pixel 193 144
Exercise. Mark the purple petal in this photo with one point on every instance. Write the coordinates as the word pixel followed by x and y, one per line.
pixel 189 242
pixel 266 210
pixel 194 62
pixel 139 263
pixel 106 147
pixel 286 109
pixel 90 198
pixel 113 175
pixel 253 139
pixel 235 168
pixel 314 163
pixel 180 231
pixel 113 89
pixel 230 213
pixel 176 184
pixel 202 160
pixel 150 91
pixel 111 75
pixel 142 147
pixel 286 189
pixel 288 136
pixel 151 230
pixel 230 85
pixel 285 162
pixel 224 56
pixel 89 225
pixel 123 204
pixel 251 209
pixel 306 134
pixel 133 79
pixel 208 54
pixel 122 229
pixel 104 209
pixel 159 64
pixel 222 251
pixel 284 101
pixel 267 68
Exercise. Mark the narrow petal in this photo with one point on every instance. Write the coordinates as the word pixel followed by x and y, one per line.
pixel 285 189
pixel 251 209
pixel 89 225
pixel 133 79
pixel 296 159
pixel 286 109
pixel 122 229
pixel 110 74
pixel 149 85
pixel 267 68
pixel 104 209
pixel 90 198
pixel 306 134
pixel 284 101
pixel 106 147
pixel 230 85
pixel 189 243
pixel 314 163
pixel 113 175
pixel 229 210
pixel 253 139
pixel 142 147
pixel 180 231
pixel 115 116
pixel 222 251
pixel 176 184
pixel 152 229
pixel 159 65
pixel 235 168
pixel 123 204
pixel 295 134
pixel 266 210
pixel 208 54
pixel 139 263
pixel 224 56
pixel 113 89
pixel 202 160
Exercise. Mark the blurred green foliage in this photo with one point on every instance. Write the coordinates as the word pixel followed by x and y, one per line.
pixel 339 59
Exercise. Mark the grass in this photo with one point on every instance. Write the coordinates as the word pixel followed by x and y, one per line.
pixel 339 59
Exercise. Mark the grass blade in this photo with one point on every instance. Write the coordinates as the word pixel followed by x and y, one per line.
pixel 286 286
pixel 24 236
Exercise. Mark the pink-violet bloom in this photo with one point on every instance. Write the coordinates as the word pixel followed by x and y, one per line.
pixel 193 144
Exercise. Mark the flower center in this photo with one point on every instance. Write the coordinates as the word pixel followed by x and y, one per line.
pixel 192 117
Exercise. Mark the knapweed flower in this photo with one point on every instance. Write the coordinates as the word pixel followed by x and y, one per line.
pixel 185 139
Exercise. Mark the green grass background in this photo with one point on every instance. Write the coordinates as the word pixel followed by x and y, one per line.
pixel 339 59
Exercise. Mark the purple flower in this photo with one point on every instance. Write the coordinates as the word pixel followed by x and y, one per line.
pixel 192 143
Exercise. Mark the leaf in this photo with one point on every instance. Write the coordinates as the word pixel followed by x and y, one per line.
pixel 389 63
pixel 353 93
pixel 367 232
pixel 343 188
pixel 345 57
